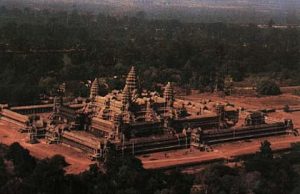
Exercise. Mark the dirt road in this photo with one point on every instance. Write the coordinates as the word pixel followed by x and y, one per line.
pixel 224 151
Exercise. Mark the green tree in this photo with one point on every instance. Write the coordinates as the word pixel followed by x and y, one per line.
pixel 23 162
pixel 48 176
pixel 3 173
pixel 268 87
pixel 266 150
pixel 221 179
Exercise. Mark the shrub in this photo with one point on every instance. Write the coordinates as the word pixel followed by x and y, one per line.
pixel 286 108
pixel 268 87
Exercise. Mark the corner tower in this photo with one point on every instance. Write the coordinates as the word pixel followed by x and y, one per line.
pixel 169 94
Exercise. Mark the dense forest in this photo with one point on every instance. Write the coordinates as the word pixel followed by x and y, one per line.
pixel 40 49
pixel 23 174
pixel 263 173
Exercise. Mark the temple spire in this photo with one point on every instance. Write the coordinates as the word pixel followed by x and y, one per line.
pixel 131 80
pixel 94 89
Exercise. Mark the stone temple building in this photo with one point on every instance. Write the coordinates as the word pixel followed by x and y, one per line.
pixel 132 117
pixel 137 121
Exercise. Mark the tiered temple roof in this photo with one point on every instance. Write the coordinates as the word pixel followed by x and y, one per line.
pixel 131 80
pixel 127 110
pixel 126 95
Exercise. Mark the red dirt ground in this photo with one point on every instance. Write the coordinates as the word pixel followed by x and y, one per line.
pixel 78 160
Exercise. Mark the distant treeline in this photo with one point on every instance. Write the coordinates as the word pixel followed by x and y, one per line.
pixel 193 55
pixel 256 11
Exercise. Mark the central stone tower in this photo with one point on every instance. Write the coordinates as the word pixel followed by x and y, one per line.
pixel 131 80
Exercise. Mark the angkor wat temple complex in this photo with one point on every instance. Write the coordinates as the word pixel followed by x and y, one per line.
pixel 137 121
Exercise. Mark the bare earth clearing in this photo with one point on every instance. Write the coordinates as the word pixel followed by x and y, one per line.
pixel 78 160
